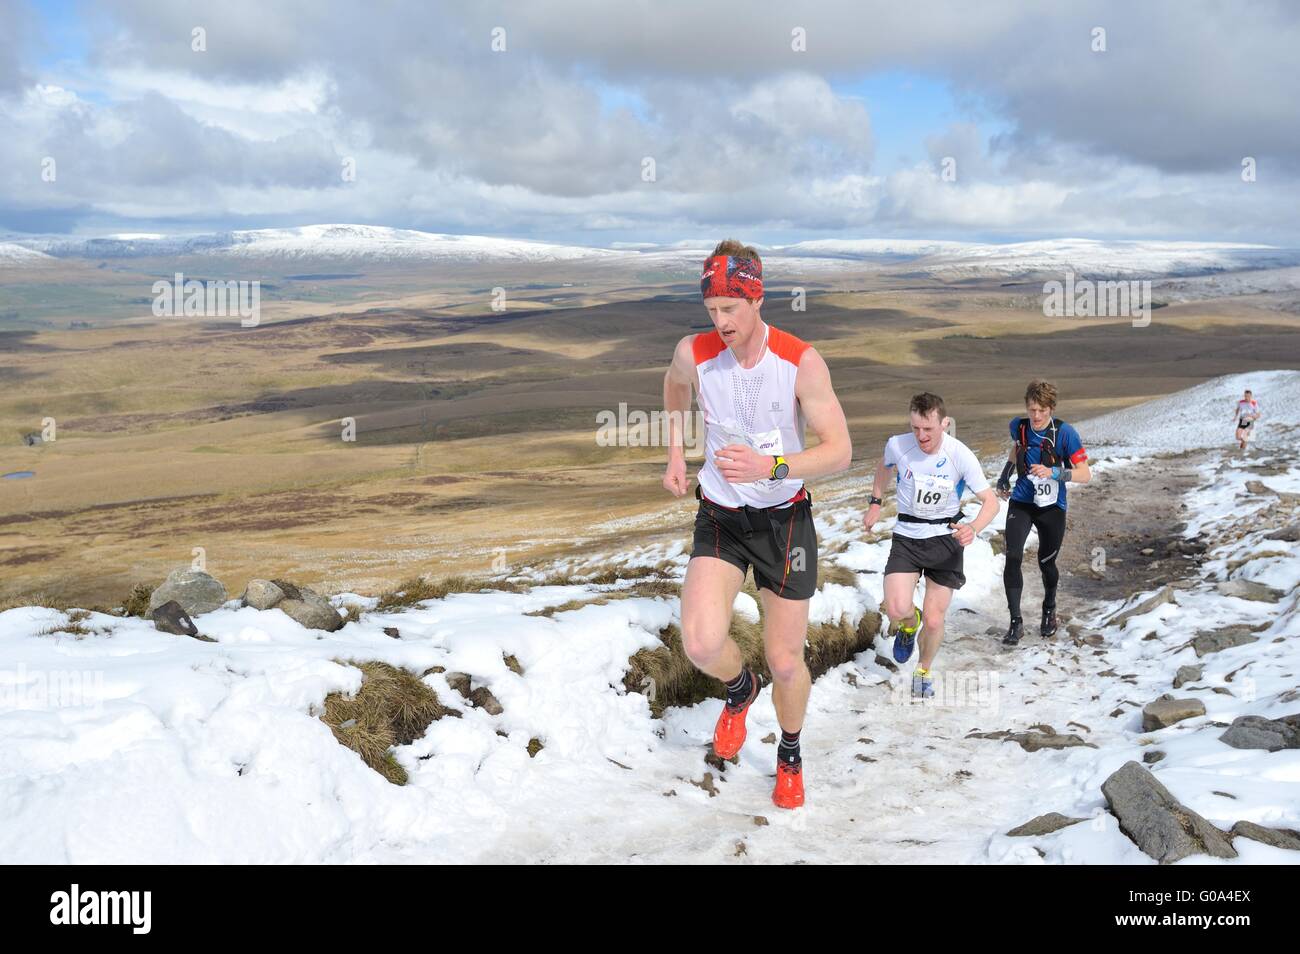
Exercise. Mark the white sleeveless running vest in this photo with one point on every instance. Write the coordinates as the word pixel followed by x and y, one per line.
pixel 754 406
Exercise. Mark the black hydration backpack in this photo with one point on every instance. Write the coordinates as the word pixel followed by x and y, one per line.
pixel 1048 456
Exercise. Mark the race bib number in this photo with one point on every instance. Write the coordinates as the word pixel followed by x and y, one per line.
pixel 932 496
pixel 1046 490
pixel 762 442
pixel 767 442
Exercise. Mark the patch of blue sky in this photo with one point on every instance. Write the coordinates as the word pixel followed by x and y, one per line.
pixel 907 107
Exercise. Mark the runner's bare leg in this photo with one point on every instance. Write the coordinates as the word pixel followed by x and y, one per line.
pixel 708 595
pixel 900 589
pixel 934 608
pixel 785 631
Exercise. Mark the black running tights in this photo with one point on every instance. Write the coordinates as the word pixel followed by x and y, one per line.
pixel 1050 524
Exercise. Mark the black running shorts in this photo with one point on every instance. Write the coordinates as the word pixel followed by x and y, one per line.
pixel 780 543
pixel 939 559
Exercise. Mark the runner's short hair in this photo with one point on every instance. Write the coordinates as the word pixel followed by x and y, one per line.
pixel 1042 393
pixel 1249 391
pixel 925 402
pixel 738 250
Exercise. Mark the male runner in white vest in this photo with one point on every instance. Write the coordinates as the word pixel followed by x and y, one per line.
pixel 932 470
pixel 757 388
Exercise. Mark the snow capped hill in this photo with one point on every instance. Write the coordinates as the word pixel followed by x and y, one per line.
pixel 348 242
pixel 944 260
pixel 336 242
pixel 13 255
pixel 1090 257
pixel 884 250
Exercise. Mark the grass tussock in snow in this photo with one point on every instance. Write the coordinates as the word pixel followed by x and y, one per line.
pixel 418 589
pixel 642 588
pixel 73 627
pixel 137 601
pixel 668 678
pixel 392 707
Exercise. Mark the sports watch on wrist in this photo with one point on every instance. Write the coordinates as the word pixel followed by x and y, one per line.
pixel 779 469
pixel 876 502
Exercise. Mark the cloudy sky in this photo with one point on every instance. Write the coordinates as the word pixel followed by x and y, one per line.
pixel 549 137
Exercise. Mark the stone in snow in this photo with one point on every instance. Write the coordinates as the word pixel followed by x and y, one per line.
pixel 172 618
pixel 1162 596
pixel 196 591
pixel 1249 590
pixel 1044 825
pixel 1277 837
pixel 1226 637
pixel 1158 823
pixel 1163 712
pixel 1256 732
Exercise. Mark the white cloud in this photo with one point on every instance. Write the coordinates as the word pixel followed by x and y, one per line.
pixel 448 135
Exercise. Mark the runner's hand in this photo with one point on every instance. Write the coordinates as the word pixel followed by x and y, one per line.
pixel 675 480
pixel 871 517
pixel 740 463
pixel 1004 489
pixel 1038 470
pixel 963 532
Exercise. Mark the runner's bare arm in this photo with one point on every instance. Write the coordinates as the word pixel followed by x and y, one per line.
pixel 824 417
pixel 872 516
pixel 679 382
pixel 965 532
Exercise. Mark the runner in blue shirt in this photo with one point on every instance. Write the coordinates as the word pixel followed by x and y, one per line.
pixel 1046 454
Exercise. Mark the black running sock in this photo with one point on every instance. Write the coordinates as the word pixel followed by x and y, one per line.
pixel 788 750
pixel 738 689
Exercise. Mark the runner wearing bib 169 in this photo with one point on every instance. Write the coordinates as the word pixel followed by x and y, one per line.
pixel 933 470
pixel 1046 453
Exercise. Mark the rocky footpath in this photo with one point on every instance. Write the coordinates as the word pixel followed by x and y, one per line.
pixel 1192 564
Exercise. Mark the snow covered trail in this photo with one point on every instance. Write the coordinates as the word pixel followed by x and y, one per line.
pixel 127 745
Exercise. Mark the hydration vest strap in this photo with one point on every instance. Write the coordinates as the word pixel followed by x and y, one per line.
pixel 1022 446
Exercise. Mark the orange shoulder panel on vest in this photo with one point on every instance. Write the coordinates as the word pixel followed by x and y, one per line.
pixel 707 345
pixel 787 346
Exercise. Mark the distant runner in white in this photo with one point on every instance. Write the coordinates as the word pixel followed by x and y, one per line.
pixel 1246 413
pixel 933 470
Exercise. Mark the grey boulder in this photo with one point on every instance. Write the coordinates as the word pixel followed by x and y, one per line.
pixel 197 592
pixel 1158 823
pixel 1256 732
pixel 300 603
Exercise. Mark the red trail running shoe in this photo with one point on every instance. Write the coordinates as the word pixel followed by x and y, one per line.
pixel 789 785
pixel 729 733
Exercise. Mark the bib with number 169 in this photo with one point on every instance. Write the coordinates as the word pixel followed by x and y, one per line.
pixel 933 496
